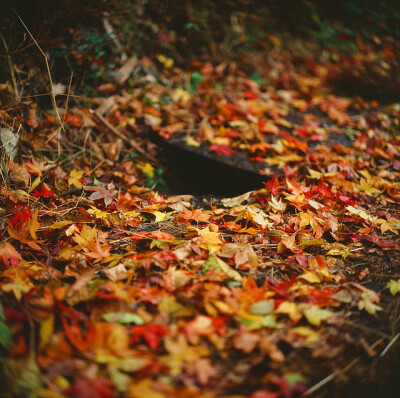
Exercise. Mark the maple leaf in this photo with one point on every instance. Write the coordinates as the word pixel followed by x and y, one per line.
pixel 20 216
pixel 197 215
pixel 43 192
pixel 9 255
pixel 273 185
pixel 367 303
pixel 319 267
pixel 203 370
pixel 35 167
pixel 278 206
pixel 86 236
pixel 310 277
pixel 146 169
pixel 97 212
pixel 258 216
pixel 95 388
pixel 162 235
pixel 315 315
pixel 159 217
pixel 200 326
pixel 361 213
pixel 33 225
pixel 291 309
pixel 152 334
pixel 96 251
pixel 283 160
pixel 18 287
pixel 221 149
pixel 366 186
pixel 145 388
pixel 20 233
pixel 387 226
pixel 394 286
pixel 311 335
pixel 209 240
pixel 102 193
pixel 75 178
pixel 288 242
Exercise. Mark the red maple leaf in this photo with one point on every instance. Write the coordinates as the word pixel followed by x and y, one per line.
pixel 95 388
pixel 273 185
pixel 221 149
pixel 151 333
pixel 43 192
pixel 20 216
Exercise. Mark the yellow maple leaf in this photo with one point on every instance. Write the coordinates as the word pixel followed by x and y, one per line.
pixel 316 315
pixel 366 186
pixel 310 277
pixel 33 225
pixel 161 216
pixel 146 168
pixel 304 331
pixel 367 303
pixel 190 141
pixel 86 236
pixel 361 213
pixel 209 240
pixel 394 287
pixel 387 226
pixel 74 177
pixel 305 219
pixel 290 309
pixel 97 212
pixel 18 287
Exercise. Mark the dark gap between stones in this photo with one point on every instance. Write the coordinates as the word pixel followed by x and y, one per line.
pixel 196 171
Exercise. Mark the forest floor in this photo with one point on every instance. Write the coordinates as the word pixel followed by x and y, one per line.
pixel 202 231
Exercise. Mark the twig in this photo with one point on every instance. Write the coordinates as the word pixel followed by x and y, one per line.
pixel 120 135
pixel 330 377
pixel 395 338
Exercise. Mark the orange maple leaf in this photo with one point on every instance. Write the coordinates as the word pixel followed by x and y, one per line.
pixel 97 252
pixel 196 215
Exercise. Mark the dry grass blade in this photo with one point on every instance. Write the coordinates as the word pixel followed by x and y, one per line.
pixel 53 96
pixel 387 348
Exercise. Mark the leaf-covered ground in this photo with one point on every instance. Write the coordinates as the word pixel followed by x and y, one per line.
pixel 110 288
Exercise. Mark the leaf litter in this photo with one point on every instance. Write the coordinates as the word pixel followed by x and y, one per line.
pixel 110 288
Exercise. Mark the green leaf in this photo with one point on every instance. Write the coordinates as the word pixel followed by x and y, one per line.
pixel 5 332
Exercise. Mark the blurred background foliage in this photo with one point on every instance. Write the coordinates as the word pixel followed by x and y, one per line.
pixel 81 36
